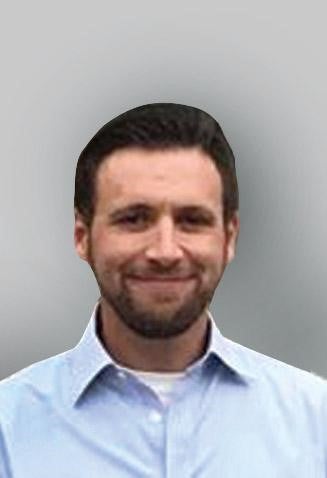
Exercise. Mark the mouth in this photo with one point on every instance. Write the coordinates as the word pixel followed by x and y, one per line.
pixel 161 283
pixel 161 279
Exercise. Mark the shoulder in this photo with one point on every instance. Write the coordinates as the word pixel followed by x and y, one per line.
pixel 279 378
pixel 36 383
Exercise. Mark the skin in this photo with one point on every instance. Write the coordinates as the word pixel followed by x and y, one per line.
pixel 158 248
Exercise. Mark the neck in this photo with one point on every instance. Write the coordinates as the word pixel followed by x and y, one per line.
pixel 131 350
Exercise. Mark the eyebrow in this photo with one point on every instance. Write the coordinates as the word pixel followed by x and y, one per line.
pixel 203 211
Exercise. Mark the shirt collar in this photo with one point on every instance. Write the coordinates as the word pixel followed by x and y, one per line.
pixel 89 357
pixel 230 354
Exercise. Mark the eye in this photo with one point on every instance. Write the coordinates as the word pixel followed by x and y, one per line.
pixel 193 220
pixel 134 219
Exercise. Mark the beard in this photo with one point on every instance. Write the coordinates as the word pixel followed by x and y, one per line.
pixel 163 321
pixel 167 317
pixel 170 315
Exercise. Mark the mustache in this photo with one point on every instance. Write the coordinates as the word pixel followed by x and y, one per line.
pixel 161 277
pixel 162 273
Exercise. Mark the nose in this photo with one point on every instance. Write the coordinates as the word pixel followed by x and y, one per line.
pixel 164 248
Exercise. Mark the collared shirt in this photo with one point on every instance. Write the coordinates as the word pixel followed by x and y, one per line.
pixel 235 413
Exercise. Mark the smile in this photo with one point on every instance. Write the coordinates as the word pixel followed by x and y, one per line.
pixel 162 282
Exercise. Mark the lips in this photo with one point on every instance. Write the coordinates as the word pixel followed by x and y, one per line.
pixel 161 279
pixel 170 285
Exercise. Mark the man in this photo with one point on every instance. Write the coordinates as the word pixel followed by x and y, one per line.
pixel 153 389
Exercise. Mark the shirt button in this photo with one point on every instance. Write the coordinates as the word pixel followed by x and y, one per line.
pixel 121 374
pixel 155 417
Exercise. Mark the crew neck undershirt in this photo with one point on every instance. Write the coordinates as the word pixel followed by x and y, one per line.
pixel 161 382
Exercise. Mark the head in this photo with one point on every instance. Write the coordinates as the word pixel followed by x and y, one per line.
pixel 156 215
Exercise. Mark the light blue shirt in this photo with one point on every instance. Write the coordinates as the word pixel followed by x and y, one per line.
pixel 235 414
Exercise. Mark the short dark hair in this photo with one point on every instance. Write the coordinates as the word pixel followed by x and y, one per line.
pixel 156 126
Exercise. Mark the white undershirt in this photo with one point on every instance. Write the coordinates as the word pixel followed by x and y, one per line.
pixel 161 382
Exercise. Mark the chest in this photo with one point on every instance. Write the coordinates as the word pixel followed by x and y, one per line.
pixel 204 437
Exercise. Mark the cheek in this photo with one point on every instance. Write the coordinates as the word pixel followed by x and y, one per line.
pixel 212 257
pixel 110 252
pixel 209 249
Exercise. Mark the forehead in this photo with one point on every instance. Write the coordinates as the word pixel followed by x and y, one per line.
pixel 181 175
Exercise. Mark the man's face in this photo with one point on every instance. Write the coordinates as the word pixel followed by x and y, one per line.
pixel 157 245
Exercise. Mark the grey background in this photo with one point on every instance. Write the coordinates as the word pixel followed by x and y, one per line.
pixel 259 67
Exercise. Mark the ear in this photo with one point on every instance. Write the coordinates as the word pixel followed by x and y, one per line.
pixel 81 236
pixel 232 230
